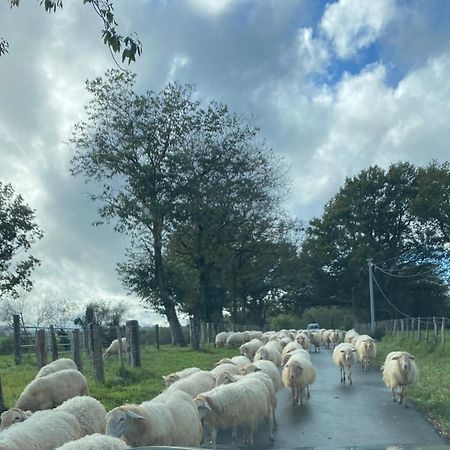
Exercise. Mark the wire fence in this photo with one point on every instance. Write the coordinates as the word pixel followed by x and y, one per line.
pixel 430 329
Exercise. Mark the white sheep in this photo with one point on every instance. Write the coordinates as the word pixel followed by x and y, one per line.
pixel 235 339
pixel 344 357
pixel 221 338
pixel 226 378
pixel 44 430
pixel 351 336
pixel 294 345
pixel 399 371
pixel 366 350
pixel 254 334
pixel 267 367
pixel 170 419
pixel 95 442
pixel 113 348
pixel 245 403
pixel 175 376
pixel 303 340
pixel 298 351
pixel 316 340
pixel 250 348
pixel 298 374
pixel 194 384
pixel 52 390
pixel 89 412
pixel 239 361
pixel 56 366
pixel 269 352
pixel 230 368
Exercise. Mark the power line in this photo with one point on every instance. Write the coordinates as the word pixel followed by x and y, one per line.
pixel 387 299
pixel 403 276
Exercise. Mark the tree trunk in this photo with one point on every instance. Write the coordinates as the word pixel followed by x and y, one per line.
pixel 169 306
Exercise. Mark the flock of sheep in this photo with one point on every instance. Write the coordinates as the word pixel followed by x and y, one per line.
pixel 239 393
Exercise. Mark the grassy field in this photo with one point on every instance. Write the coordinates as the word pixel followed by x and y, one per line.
pixel 432 394
pixel 121 386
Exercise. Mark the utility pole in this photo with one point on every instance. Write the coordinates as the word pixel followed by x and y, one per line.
pixel 372 308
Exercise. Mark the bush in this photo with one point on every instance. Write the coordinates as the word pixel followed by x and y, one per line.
pixel 7 345
pixel 285 321
pixel 328 317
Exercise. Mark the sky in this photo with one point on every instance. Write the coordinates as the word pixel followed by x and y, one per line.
pixel 336 86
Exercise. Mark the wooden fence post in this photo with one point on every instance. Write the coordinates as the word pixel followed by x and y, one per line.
pixel 418 329
pixel 98 353
pixel 157 336
pixel 426 330
pixel 17 340
pixel 119 341
pixel 402 326
pixel 435 329
pixel 77 349
pixel 133 339
pixel 2 402
pixel 54 343
pixel 443 332
pixel 394 328
pixel 86 339
pixel 41 348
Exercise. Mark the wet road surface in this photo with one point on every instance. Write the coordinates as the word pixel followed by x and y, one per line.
pixel 339 416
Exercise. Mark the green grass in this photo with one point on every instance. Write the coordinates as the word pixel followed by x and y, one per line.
pixel 432 394
pixel 130 385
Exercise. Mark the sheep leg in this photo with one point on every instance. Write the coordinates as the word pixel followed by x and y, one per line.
pixel 214 436
pixel 294 395
pixel 350 375
pixel 234 435
pixel 393 394
pixel 342 372
pixel 307 392
pixel 272 425
pixel 301 397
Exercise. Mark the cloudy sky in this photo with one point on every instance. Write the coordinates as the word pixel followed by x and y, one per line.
pixel 336 86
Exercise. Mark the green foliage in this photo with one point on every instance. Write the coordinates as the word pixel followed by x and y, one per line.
pixel 285 321
pixel 130 45
pixel 18 232
pixel 328 317
pixel 6 345
pixel 431 395
pixel 390 216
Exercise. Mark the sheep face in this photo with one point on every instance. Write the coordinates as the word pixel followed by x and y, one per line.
pixel 224 378
pixel 119 421
pixel 347 354
pixel 404 361
pixel 294 371
pixel 13 416
pixel 170 379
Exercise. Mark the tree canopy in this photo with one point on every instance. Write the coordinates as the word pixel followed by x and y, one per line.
pixel 18 232
pixel 381 214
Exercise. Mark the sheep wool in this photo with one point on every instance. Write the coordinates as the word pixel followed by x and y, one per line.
pixel 44 430
pixel 171 420
pixel 194 384
pixel 298 374
pixel 344 357
pixel 113 348
pixel 56 366
pixel 366 350
pixel 89 412
pixel 175 376
pixel 399 371
pixel 245 403
pixel 52 390
pixel 95 442
pixel 267 367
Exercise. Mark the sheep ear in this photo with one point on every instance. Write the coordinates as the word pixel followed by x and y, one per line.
pixel 28 413
pixel 412 357
pixel 395 358
pixel 133 415
pixel 257 369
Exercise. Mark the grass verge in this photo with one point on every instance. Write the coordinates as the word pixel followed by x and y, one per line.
pixel 128 385
pixel 432 394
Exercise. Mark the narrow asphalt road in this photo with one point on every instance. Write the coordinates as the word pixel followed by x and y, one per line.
pixel 339 416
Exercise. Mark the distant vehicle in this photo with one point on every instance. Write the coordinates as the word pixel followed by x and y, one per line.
pixel 313 327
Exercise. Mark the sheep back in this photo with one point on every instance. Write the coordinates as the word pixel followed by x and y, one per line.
pixel 95 442
pixel 194 384
pixel 52 390
pixel 56 366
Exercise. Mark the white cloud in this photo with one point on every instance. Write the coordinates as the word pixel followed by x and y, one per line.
pixel 177 63
pixel 364 121
pixel 313 55
pixel 354 24
pixel 211 8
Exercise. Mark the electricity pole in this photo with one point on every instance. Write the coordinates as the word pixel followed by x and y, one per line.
pixel 372 308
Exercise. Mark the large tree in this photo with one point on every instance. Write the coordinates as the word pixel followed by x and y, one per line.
pixel 18 232
pixel 129 145
pixel 374 215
